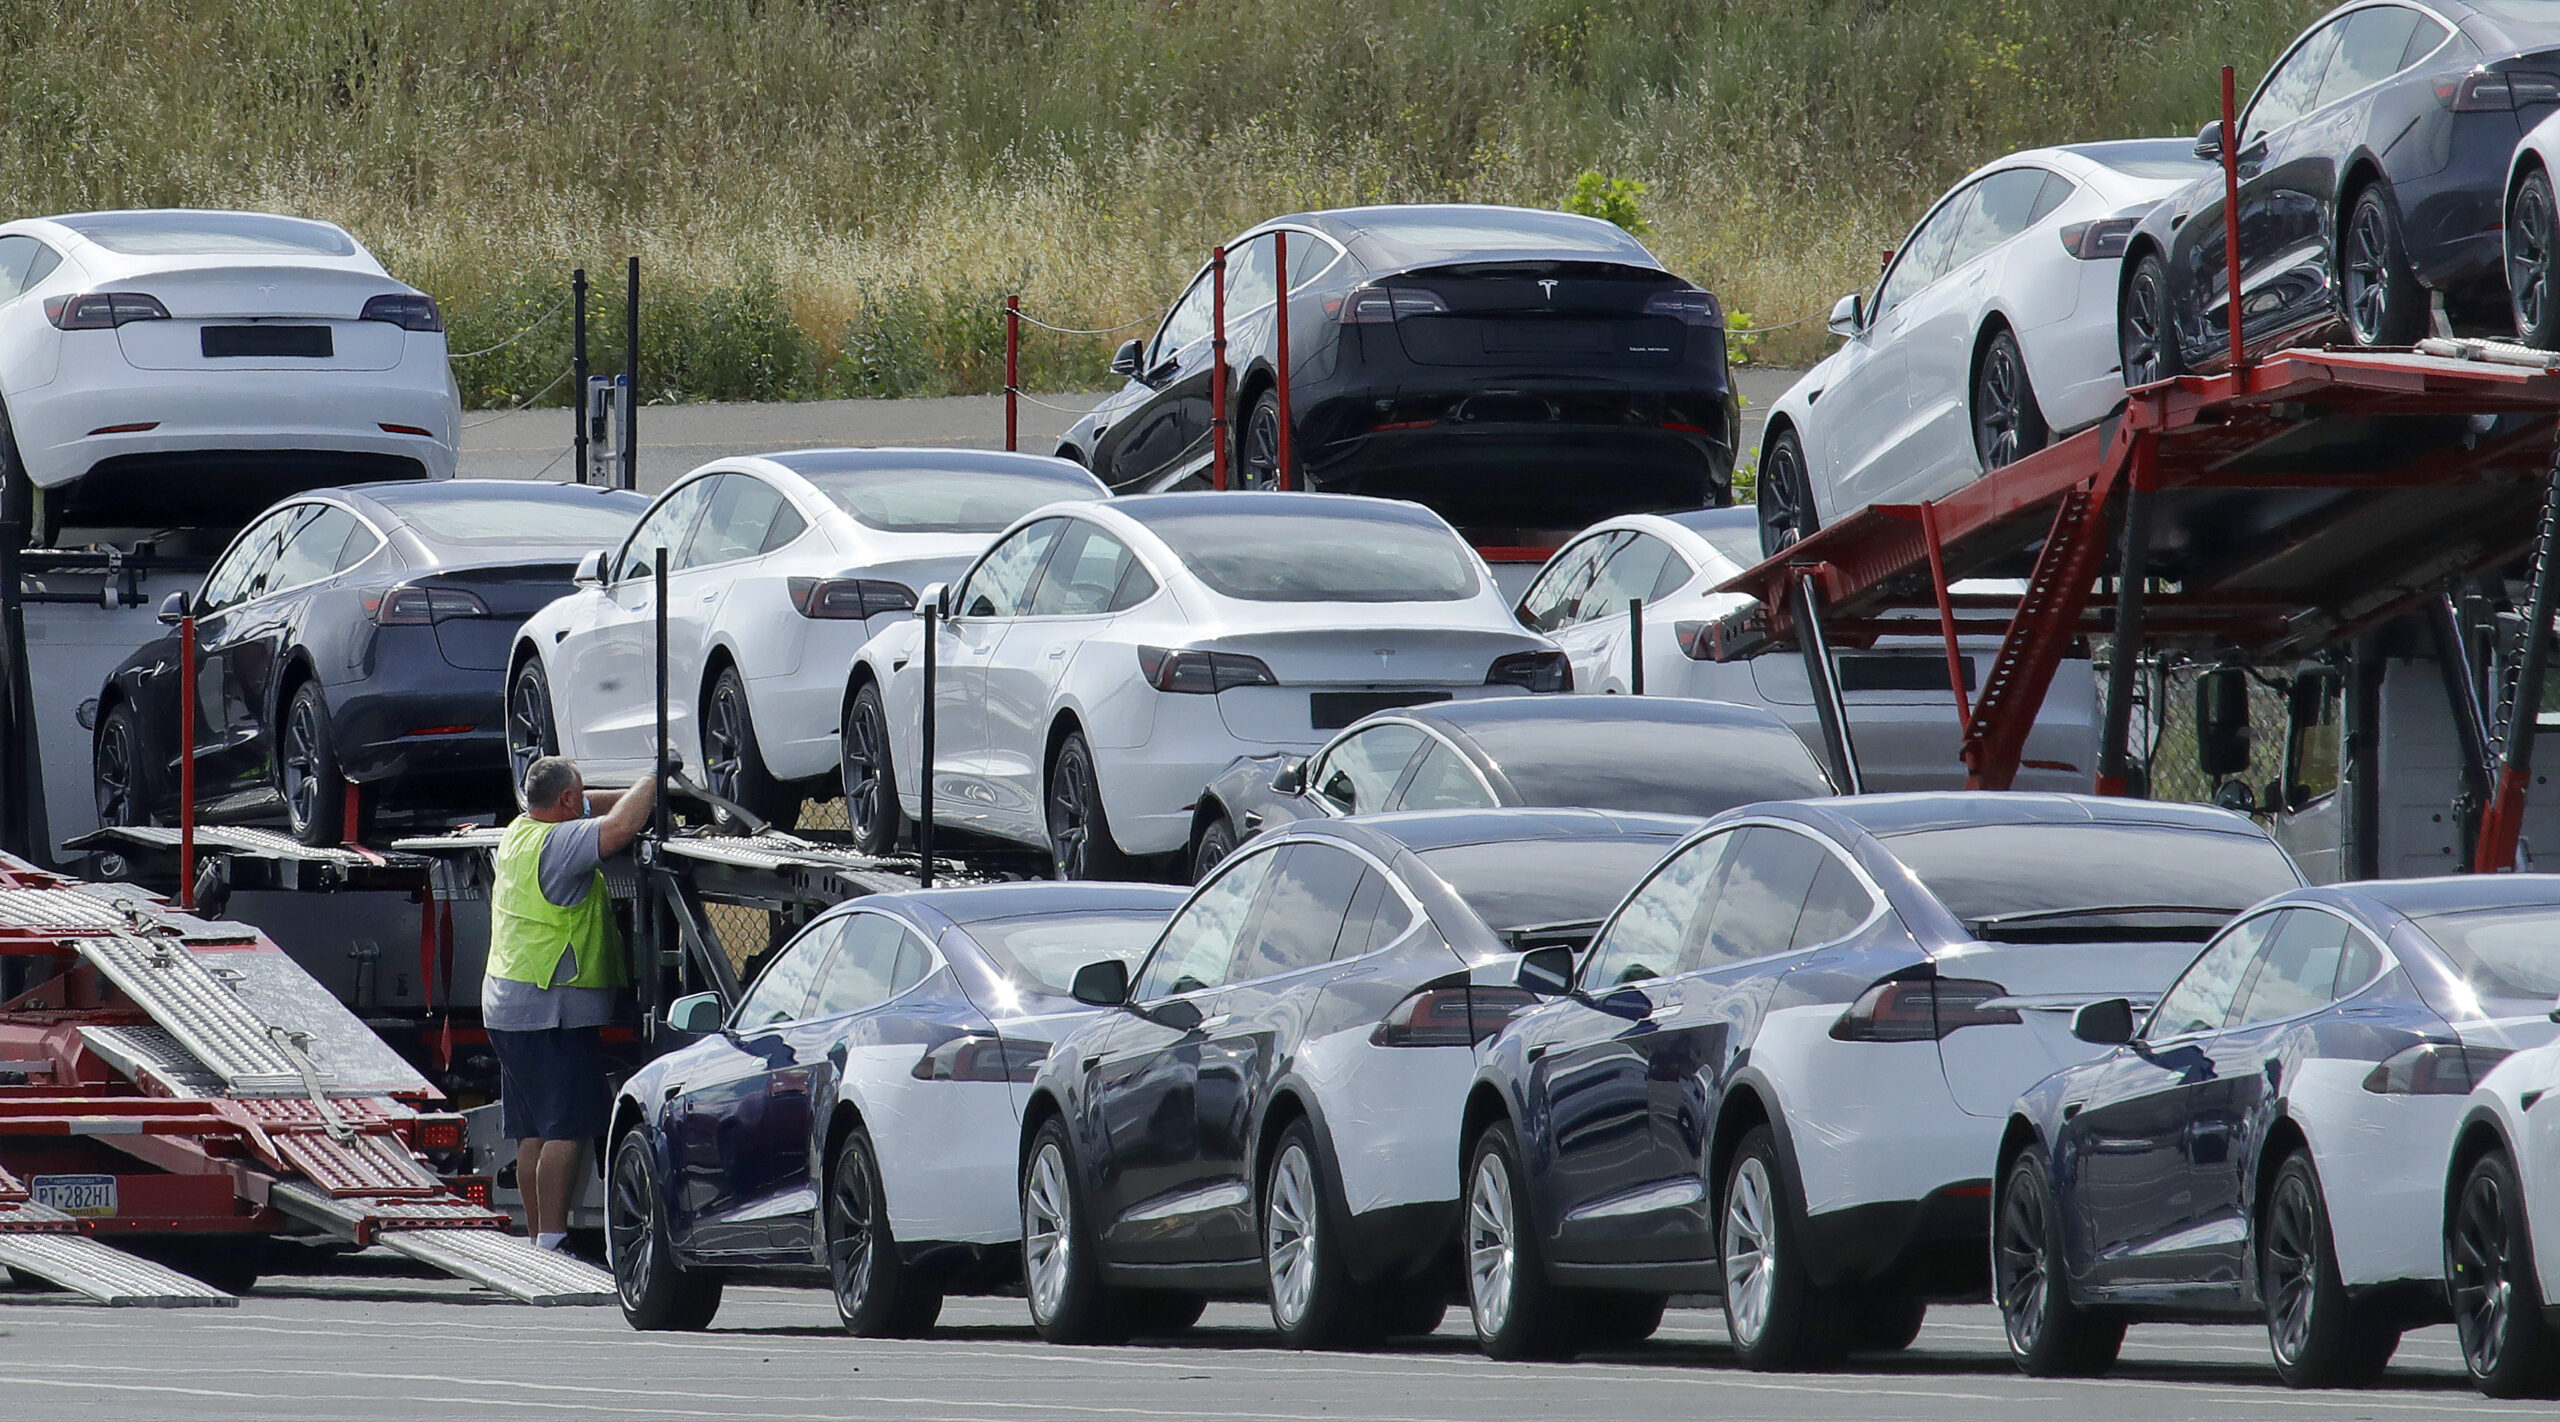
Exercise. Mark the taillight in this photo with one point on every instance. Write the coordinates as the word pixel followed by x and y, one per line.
pixel 2434 1069
pixel 2102 239
pixel 1697 640
pixel 1921 1010
pixel 415 606
pixel 981 1059
pixel 1450 1016
pixel 439 1133
pixel 102 310
pixel 1196 672
pixel 2488 90
pixel 850 597
pixel 413 312
pixel 1537 671
pixel 1378 305
pixel 474 1189
pixel 1690 308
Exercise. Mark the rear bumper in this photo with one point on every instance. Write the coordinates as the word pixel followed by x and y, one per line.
pixel 378 721
pixel 1941 1242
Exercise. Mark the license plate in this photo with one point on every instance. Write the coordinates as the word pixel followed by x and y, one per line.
pixel 305 341
pixel 91 1195
pixel 1333 710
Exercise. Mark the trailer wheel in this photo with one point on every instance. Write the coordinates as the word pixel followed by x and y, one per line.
pixel 657 1294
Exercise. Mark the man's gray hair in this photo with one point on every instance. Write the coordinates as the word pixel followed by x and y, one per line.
pixel 549 778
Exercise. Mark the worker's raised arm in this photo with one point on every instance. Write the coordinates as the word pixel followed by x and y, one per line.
pixel 630 811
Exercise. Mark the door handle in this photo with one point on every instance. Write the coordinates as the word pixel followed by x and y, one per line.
pixel 1057 652
pixel 1537 1051
pixel 1666 1012
pixel 2071 1109
pixel 711 597
pixel 1212 1024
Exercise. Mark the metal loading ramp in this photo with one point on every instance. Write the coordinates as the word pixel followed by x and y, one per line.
pixel 41 1242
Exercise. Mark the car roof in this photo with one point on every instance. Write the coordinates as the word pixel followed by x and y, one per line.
pixel 894 458
pixel 392 493
pixel 1419 234
pixel 1152 509
pixel 2451 893
pixel 986 902
pixel 1423 830
pixel 1884 816
pixel 1469 717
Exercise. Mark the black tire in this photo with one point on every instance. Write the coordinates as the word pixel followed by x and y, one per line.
pixel 1079 829
pixel 1314 1303
pixel 2147 326
pixel 230 1263
pixel 2049 1336
pixel 733 759
pixel 1885 1321
pixel 2533 262
pixel 2385 304
pixel 657 1294
pixel 2319 1335
pixel 1161 1313
pixel 1780 1321
pixel 1785 497
pixel 307 773
pixel 1069 1303
pixel 869 774
pixel 2008 424
pixel 533 731
pixel 126 770
pixel 1217 840
pixel 1619 1320
pixel 1258 444
pixel 1410 1312
pixel 1516 1310
pixel 2496 1289
pixel 877 1294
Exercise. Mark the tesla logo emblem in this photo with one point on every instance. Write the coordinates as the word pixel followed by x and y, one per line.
pixel 1548 285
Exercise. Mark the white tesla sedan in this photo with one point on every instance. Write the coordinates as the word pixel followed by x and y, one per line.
pixel 1902 715
pixel 1993 328
pixel 143 352
pixel 778 567
pixel 1102 661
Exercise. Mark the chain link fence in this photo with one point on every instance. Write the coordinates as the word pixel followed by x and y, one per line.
pixel 2165 720
pixel 745 931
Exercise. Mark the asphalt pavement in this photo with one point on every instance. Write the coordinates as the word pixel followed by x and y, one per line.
pixel 374 1343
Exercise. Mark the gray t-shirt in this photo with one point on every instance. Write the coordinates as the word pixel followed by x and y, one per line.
pixel 570 856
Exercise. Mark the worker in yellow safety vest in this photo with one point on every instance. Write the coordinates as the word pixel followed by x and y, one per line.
pixel 555 961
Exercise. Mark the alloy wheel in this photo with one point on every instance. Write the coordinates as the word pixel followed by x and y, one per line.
pixel 1996 405
pixel 1492 1253
pixel 2484 1270
pixel 1783 496
pixel 302 763
pixel 849 1237
pixel 2290 1268
pixel 1750 1249
pixel 865 746
pixel 114 772
pixel 1260 467
pixel 528 723
pixel 2145 334
pixel 1289 1235
pixel 1047 1235
pixel 723 753
pixel 1070 817
pixel 2529 230
pixel 2018 1256
pixel 626 1226
pixel 2368 280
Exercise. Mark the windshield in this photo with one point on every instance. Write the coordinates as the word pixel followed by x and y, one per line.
pixel 2065 882
pixel 1303 555
pixel 1042 952
pixel 572 522
pixel 1664 769
pixel 164 234
pixel 929 500
pixel 1532 883
pixel 2511 953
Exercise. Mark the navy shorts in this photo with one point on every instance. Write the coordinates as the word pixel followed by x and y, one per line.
pixel 551 1083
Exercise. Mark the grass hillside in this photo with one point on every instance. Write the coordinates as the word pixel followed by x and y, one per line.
pixel 832 195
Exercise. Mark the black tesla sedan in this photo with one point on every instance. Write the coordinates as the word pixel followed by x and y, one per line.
pixel 1523 373
pixel 2373 164
pixel 1661 754
pixel 356 635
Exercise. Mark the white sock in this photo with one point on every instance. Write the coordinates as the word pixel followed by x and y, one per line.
pixel 550 1241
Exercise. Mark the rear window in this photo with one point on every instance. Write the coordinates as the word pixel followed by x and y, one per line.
pixel 1438 234
pixel 164 234
pixel 928 500
pixel 2511 953
pixel 1538 883
pixel 1738 542
pixel 2060 882
pixel 1306 556
pixel 2166 158
pixel 571 522
pixel 1042 952
pixel 1673 770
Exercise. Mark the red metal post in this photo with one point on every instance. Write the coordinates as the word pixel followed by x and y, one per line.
pixel 186 762
pixel 354 814
pixel 1218 367
pixel 2231 213
pixel 1946 615
pixel 1280 285
pixel 1012 370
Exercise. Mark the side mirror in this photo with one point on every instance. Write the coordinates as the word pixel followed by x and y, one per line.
pixel 173 609
pixel 1847 315
pixel 2107 1024
pixel 2237 797
pixel 2222 722
pixel 1103 984
pixel 1291 777
pixel 1124 361
pixel 1547 971
pixel 936 596
pixel 590 570
pixel 696 1015
pixel 2209 142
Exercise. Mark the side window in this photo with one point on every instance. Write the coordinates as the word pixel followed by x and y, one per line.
pixel 2369 52
pixel 1187 322
pixel 1356 775
pixel 17 254
pixel 859 974
pixel 781 992
pixel 2290 91
pixel 1675 575
pixel 734 526
pixel 1312 891
pixel 1645 938
pixel 1084 575
pixel 1200 943
pixel 663 527
pixel 251 555
pixel 1001 582
pixel 787 525
pixel 2057 191
pixel 2298 969
pixel 1310 258
pixel 1249 275
pixel 361 541
pixel 1761 898
pixel 1136 586
pixel 1378 917
pixel 2312 736
pixel 1631 572
pixel 2202 998
pixel 2004 204
pixel 1924 257
pixel 1444 781
pixel 1550 601
pixel 1836 904
pixel 312 549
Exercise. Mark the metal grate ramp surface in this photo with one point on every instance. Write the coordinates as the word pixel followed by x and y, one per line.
pixel 105 1275
pixel 503 1262
pixel 151 1054
pixel 199 1010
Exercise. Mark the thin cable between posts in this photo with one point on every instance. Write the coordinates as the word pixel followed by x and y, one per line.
pixel 1096 331
pixel 520 404
pixel 1043 404
pixel 536 325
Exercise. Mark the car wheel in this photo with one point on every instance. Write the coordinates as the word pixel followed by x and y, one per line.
pixel 877 1295
pixel 1882 1321
pixel 2319 1336
pixel 2146 327
pixel 2007 423
pixel 307 775
pixel 1517 1312
pixel 1258 451
pixel 657 1294
pixel 1414 1312
pixel 2385 304
pixel 1161 1313
pixel 733 760
pixel 1314 1303
pixel 532 733
pixel 1617 1320
pixel 1771 1307
pixel 870 777
pixel 1060 1275
pixel 1787 514
pixel 2533 262
pixel 1079 829
pixel 2049 1336
pixel 126 772
pixel 1217 841
pixel 2497 1291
